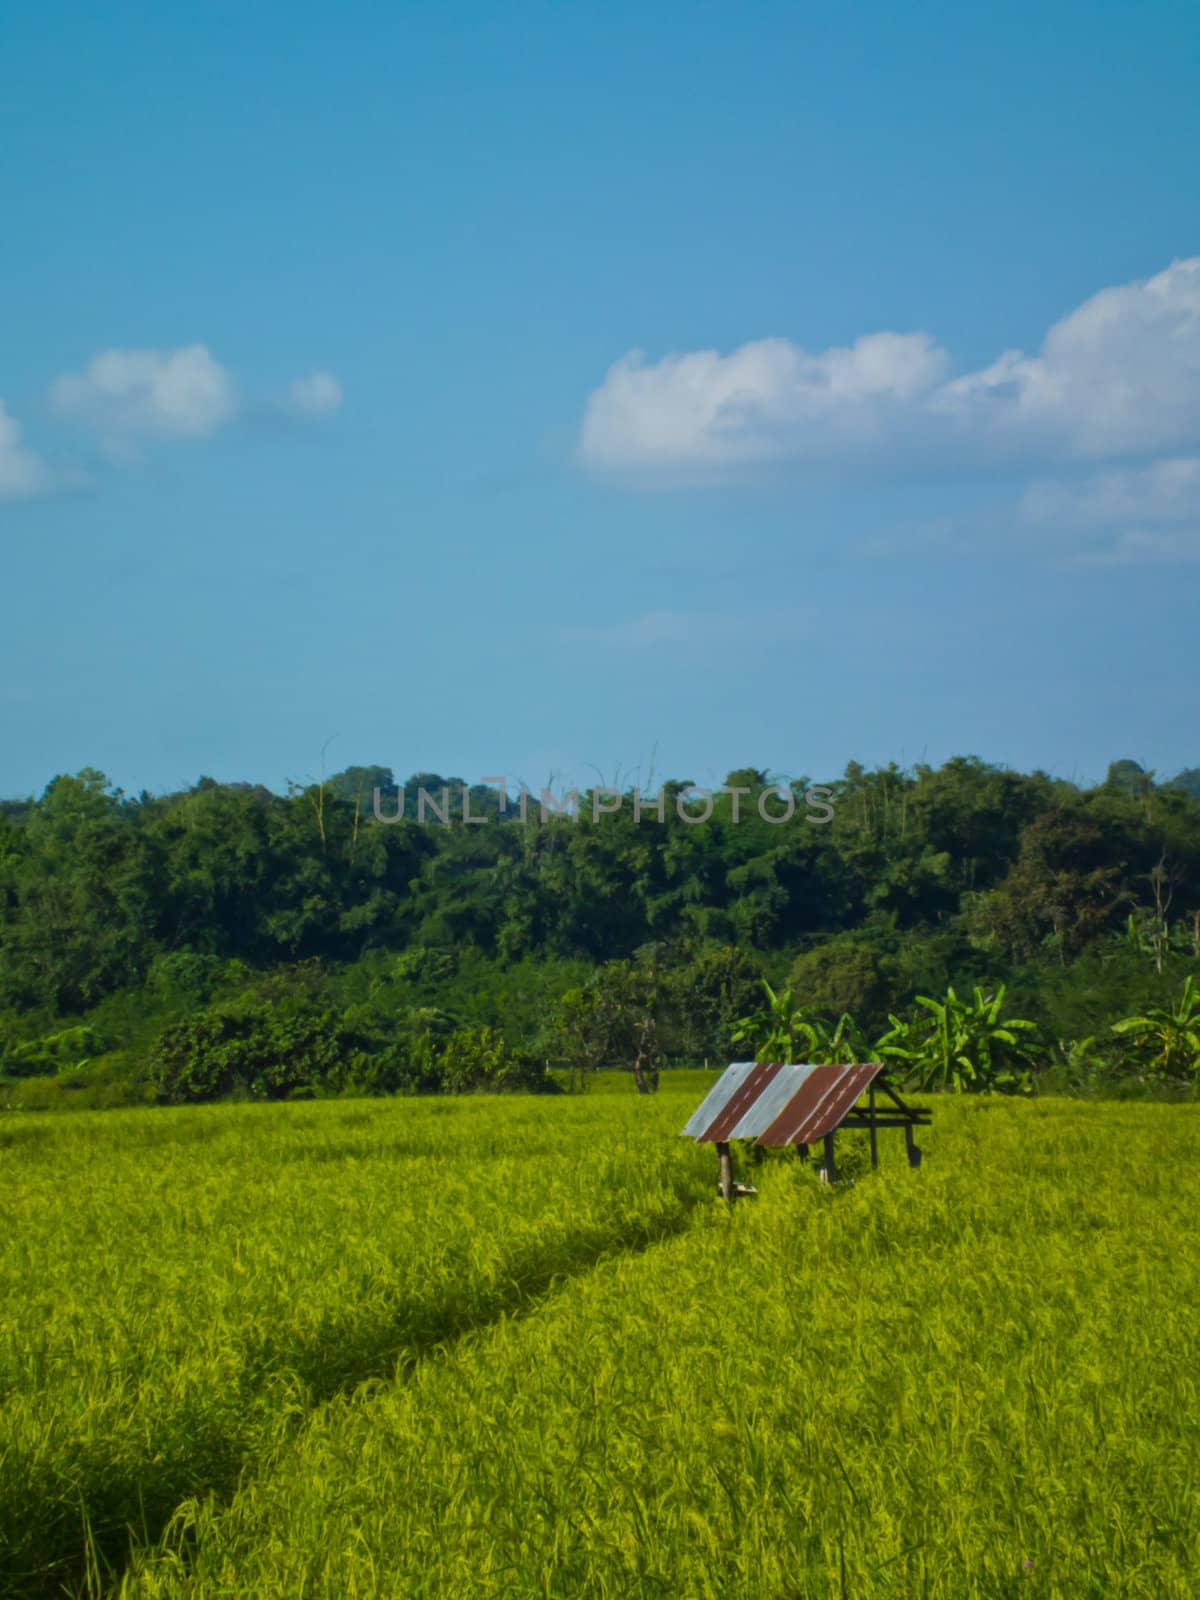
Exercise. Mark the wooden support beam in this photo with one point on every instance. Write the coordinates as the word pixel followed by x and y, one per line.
pixel 884 1119
pixel 874 1138
pixel 829 1166
pixel 726 1164
pixel 909 1111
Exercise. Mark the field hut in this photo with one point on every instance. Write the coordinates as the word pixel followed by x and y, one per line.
pixel 776 1105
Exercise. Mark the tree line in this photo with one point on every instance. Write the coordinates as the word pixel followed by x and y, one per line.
pixel 228 939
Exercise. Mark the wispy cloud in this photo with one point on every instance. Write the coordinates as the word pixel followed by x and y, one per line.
pixel 1117 376
pixel 692 628
pixel 23 473
pixel 126 397
pixel 1139 546
pixel 1126 515
pixel 1162 492
pixel 317 395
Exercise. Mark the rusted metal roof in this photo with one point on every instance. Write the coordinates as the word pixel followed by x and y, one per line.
pixel 826 1095
pixel 774 1098
pixel 777 1105
pixel 744 1096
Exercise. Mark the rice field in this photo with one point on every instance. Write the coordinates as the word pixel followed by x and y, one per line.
pixel 517 1347
pixel 176 1286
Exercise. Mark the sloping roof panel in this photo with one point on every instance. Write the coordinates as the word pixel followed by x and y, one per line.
pixel 716 1098
pixel 779 1104
pixel 745 1095
pixel 826 1096
pixel 774 1098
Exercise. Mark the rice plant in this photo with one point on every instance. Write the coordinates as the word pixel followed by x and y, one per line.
pixel 517 1348
pixel 973 1380
pixel 175 1285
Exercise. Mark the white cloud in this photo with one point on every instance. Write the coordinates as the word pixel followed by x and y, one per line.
pixel 127 396
pixel 23 473
pixel 122 393
pixel 768 400
pixel 317 395
pixel 1118 376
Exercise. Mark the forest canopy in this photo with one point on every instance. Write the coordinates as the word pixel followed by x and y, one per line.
pixel 233 911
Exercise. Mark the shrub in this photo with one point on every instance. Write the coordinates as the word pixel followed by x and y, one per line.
pixel 65 1051
pixel 480 1058
pixel 262 1052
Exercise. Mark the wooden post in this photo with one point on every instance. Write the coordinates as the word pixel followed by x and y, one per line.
pixel 726 1171
pixel 802 1151
pixel 874 1138
pixel 828 1166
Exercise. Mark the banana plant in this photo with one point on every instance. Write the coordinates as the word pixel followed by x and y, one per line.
pixel 783 1030
pixel 846 1045
pixel 1171 1037
pixel 961 1045
pixel 1080 1061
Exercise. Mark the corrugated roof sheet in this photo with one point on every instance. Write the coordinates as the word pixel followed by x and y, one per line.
pixel 716 1097
pixel 777 1095
pixel 777 1105
pixel 826 1096
pixel 744 1096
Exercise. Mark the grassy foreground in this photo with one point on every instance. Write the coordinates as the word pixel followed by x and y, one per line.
pixel 977 1379
pixel 177 1287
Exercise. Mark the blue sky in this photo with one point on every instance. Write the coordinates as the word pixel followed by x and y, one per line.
pixel 323 426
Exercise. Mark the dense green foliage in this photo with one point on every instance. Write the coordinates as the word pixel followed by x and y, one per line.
pixel 960 1044
pixel 229 940
pixel 512 1348
pixel 1168 1037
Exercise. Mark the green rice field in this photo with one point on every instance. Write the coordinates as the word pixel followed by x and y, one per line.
pixel 518 1347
